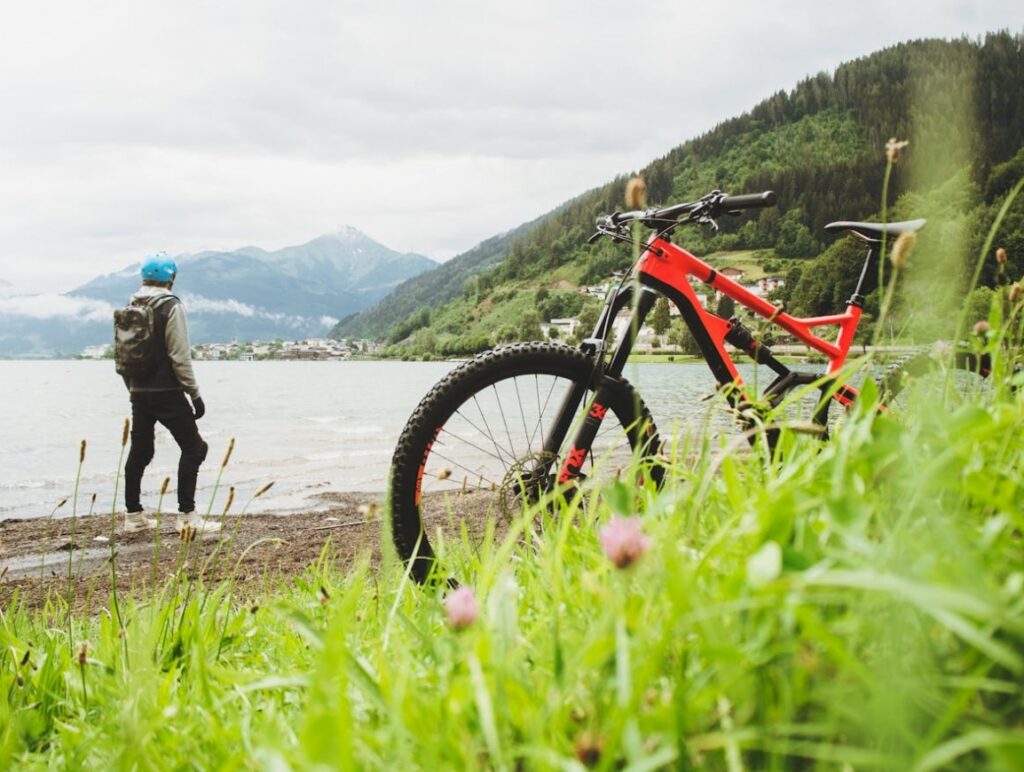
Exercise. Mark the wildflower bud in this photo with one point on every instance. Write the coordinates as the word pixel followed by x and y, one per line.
pixel 81 453
pixel 893 149
pixel 942 350
pixel 624 541
pixel 83 652
pixel 165 485
pixel 636 193
pixel 1015 292
pixel 444 474
pixel 980 328
pixel 1001 256
pixel 62 502
pixel 125 431
pixel 901 250
pixel 368 511
pixel 263 490
pixel 227 456
pixel 588 747
pixel 325 596
pixel 461 608
pixel 231 499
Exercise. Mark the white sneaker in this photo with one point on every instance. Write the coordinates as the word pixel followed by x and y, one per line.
pixel 189 524
pixel 137 521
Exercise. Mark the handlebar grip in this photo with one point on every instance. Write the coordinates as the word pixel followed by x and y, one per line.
pixel 748 200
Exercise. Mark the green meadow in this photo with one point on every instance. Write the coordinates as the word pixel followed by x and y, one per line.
pixel 855 604
pixel 850 604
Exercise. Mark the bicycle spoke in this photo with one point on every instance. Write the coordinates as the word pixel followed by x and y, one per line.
pixel 474 472
pixel 522 414
pixel 472 445
pixel 501 409
pixel 489 434
pixel 546 403
pixel 536 388
pixel 541 411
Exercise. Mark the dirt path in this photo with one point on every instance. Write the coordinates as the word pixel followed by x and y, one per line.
pixel 34 554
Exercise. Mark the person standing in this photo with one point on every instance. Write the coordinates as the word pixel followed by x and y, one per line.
pixel 158 396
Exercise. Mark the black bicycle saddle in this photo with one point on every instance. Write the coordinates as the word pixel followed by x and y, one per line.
pixel 876 231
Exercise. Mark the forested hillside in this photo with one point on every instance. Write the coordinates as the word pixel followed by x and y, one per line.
pixel 427 290
pixel 820 146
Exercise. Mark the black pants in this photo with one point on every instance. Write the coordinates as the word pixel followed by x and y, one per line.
pixel 172 409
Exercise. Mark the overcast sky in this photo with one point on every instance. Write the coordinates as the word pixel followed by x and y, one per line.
pixel 130 127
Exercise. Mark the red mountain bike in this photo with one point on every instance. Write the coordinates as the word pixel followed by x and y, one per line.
pixel 519 421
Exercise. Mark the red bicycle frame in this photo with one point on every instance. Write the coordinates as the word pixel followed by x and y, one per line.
pixel 665 266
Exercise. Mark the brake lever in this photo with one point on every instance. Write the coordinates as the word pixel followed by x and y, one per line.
pixel 617 233
pixel 621 234
pixel 701 216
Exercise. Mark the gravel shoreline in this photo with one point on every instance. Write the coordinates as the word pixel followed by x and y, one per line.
pixel 257 549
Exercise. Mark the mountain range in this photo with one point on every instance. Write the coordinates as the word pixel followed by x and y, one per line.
pixel 822 147
pixel 248 293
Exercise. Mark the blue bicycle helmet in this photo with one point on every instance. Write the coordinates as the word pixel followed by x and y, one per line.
pixel 159 267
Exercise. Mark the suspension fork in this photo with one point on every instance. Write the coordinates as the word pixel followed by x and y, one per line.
pixel 607 378
pixel 615 300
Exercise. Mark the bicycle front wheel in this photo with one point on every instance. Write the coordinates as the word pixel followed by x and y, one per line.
pixel 474 448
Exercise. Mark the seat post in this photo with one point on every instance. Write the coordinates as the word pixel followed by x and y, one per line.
pixel 857 298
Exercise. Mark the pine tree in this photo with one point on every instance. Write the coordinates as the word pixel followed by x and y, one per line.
pixel 660 319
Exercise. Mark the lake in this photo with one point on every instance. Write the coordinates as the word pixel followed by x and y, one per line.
pixel 310 427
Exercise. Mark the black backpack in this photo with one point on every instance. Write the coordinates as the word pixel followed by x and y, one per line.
pixel 136 349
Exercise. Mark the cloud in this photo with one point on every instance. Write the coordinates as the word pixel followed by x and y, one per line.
pixel 54 306
pixel 200 305
pixel 430 126
pixel 197 304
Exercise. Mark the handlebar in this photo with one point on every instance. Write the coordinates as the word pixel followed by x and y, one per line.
pixel 748 200
pixel 704 210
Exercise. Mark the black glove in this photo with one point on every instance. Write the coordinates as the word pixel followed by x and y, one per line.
pixel 199 407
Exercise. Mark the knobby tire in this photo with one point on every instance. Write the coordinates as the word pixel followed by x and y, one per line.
pixel 455 400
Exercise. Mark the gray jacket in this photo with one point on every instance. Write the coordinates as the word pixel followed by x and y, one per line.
pixel 179 351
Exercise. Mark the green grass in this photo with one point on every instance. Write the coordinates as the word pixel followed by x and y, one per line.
pixel 852 604
pixel 855 604
pixel 751 262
